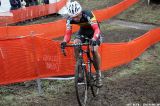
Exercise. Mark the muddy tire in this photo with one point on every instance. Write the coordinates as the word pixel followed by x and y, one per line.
pixel 81 83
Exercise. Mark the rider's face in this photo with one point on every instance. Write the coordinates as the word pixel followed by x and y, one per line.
pixel 78 17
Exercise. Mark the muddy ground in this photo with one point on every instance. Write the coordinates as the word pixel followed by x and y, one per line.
pixel 134 84
pixel 139 87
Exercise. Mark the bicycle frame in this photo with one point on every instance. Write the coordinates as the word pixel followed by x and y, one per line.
pixel 82 52
pixel 89 78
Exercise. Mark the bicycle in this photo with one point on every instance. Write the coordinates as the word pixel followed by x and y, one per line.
pixel 84 76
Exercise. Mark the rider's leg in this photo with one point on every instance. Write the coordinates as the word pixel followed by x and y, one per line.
pixel 96 58
pixel 76 50
pixel 97 63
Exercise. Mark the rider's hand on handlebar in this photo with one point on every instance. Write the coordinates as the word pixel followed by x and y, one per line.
pixel 63 45
pixel 93 42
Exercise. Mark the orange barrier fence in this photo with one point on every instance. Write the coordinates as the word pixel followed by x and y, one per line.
pixel 31 12
pixel 34 57
pixel 49 28
pixel 31 57
pixel 115 54
pixel 29 53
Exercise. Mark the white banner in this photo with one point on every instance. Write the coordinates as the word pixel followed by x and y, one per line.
pixel 53 1
pixel 5 6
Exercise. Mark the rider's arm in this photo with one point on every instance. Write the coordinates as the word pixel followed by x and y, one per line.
pixel 96 31
pixel 68 33
pixel 95 26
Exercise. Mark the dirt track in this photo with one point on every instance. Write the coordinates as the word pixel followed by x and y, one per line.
pixel 136 82
pixel 141 87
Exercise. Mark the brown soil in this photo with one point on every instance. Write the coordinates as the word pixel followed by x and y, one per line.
pixel 120 88
pixel 139 87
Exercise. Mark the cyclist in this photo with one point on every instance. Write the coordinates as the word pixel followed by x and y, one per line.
pixel 89 28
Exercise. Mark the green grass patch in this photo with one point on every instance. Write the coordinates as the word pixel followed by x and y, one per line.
pixel 141 12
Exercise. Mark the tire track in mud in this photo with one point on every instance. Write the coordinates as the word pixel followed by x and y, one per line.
pixel 138 88
pixel 128 24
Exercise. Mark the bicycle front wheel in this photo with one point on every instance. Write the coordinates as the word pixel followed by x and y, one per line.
pixel 81 83
pixel 94 88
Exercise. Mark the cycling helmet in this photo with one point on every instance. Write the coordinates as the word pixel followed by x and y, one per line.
pixel 74 8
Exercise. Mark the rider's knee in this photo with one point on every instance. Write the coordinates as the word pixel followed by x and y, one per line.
pixel 94 49
pixel 77 41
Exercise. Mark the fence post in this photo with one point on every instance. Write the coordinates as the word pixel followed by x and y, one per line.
pixel 148 2
pixel 38 81
pixel 39 87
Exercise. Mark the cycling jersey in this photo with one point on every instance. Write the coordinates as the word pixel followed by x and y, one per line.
pixel 87 21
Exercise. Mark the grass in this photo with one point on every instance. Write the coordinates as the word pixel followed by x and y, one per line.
pixel 29 95
pixel 97 4
pixel 141 12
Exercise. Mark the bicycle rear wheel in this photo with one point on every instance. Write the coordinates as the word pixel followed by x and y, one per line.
pixel 81 83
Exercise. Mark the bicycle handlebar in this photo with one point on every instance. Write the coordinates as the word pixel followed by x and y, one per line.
pixel 74 45
pixel 77 44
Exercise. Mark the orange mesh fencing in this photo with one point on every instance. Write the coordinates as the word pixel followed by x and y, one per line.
pixel 17 60
pixel 31 12
pixel 115 54
pixel 55 29
pixel 34 57
pixel 27 52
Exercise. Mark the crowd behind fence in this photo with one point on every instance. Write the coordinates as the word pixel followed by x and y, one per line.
pixel 31 12
pixel 16 4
